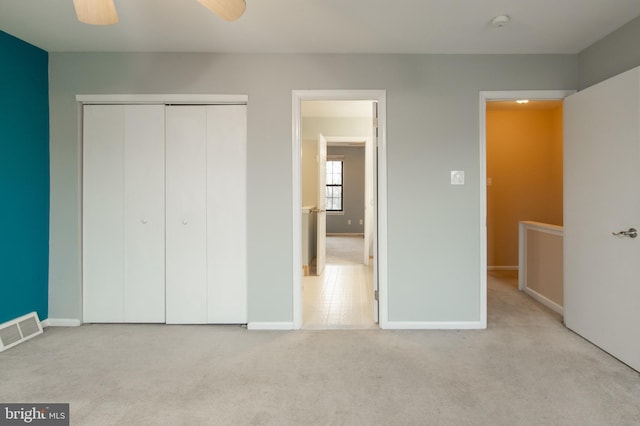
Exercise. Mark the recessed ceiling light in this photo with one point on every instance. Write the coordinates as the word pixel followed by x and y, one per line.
pixel 522 101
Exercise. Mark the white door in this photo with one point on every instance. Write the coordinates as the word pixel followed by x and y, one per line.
pixel 186 230
pixel 227 214
pixel 144 214
pixel 321 220
pixel 102 206
pixel 371 218
pixel 123 213
pixel 602 196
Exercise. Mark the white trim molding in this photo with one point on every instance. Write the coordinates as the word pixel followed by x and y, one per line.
pixel 164 99
pixel 545 301
pixel 61 322
pixel 435 325
pixel 270 326
pixel 379 96
pixel 484 97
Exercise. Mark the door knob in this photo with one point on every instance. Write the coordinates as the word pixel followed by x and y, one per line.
pixel 631 233
pixel 144 221
pixel 185 222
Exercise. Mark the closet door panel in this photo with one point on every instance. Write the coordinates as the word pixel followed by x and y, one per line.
pixel 226 214
pixel 103 162
pixel 144 234
pixel 186 242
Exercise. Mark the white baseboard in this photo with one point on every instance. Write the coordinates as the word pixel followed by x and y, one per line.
pixel 433 325
pixel 545 301
pixel 270 326
pixel 61 322
pixel 345 234
pixel 502 268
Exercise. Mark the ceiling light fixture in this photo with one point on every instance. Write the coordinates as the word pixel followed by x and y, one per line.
pixel 229 10
pixel 96 12
pixel 500 21
pixel 103 12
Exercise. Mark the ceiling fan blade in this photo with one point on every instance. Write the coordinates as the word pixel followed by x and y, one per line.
pixel 96 12
pixel 229 10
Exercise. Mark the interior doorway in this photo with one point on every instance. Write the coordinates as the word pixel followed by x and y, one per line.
pixel 340 292
pixel 339 281
pixel 506 261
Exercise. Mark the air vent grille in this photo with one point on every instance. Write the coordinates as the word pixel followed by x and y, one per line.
pixel 10 335
pixel 29 326
pixel 18 330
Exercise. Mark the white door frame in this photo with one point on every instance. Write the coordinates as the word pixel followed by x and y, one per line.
pixel 321 204
pixel 380 96
pixel 485 96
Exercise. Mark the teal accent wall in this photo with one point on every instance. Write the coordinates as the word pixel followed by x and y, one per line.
pixel 24 179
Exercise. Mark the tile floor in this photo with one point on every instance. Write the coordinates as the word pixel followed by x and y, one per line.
pixel 342 298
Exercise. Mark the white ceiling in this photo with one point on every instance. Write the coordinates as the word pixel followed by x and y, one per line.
pixel 324 26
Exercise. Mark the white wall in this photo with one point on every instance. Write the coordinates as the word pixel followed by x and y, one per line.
pixel 432 128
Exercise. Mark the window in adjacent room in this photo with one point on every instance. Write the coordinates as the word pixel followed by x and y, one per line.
pixel 334 186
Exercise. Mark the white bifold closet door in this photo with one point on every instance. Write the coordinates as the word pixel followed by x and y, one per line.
pixel 123 213
pixel 206 257
pixel 186 174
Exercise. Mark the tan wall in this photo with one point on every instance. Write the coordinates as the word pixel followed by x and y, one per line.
pixel 544 265
pixel 524 165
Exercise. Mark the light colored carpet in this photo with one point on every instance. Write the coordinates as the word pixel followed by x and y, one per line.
pixel 526 369
pixel 345 250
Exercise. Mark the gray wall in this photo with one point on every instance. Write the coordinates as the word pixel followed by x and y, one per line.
pixel 432 128
pixel 616 53
pixel 353 187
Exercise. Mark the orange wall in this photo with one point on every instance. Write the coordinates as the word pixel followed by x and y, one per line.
pixel 524 164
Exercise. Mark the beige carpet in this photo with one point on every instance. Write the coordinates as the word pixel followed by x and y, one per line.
pixel 526 369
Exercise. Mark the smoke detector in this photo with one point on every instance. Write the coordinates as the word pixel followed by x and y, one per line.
pixel 500 21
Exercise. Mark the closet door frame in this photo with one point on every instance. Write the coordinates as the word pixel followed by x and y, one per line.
pixel 163 99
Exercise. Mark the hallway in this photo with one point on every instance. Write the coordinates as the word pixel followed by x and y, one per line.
pixel 342 298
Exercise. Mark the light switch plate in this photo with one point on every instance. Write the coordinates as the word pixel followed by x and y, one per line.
pixel 457 177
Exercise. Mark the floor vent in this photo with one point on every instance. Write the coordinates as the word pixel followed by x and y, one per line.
pixel 18 330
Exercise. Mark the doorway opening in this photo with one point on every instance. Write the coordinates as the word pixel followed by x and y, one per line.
pixel 345 285
pixel 512 192
pixel 338 292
